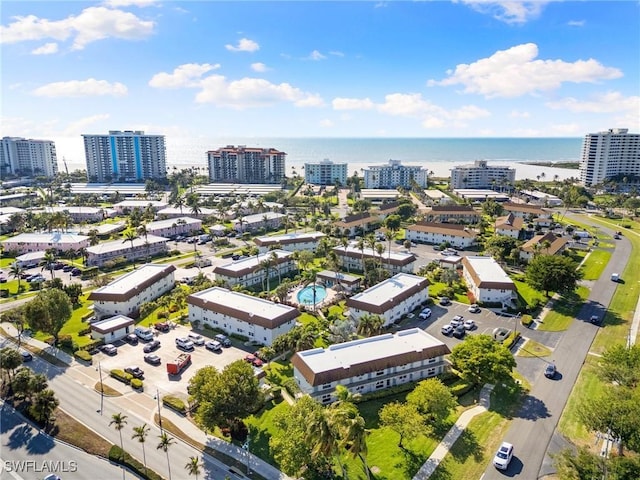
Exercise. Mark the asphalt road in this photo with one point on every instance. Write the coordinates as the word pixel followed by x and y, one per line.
pixel 534 425
pixel 27 454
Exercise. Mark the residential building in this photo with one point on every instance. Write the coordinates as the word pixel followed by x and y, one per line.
pixel 352 257
pixel 127 156
pixel 609 154
pixel 237 313
pixel 541 198
pixel 526 210
pixel 387 209
pixel 141 248
pixel 112 329
pixel 394 175
pixel 477 195
pixel 251 223
pixel 289 241
pixel 339 281
pixel 250 271
pixel 452 214
pixel 325 173
pixel 369 364
pixel 125 294
pixel 27 157
pixel 547 244
pixel 175 212
pixel 452 262
pixel 487 281
pixel 358 224
pixel 172 227
pixel 378 195
pixel 77 214
pixel 124 207
pixel 481 175
pixel 509 225
pixel 457 235
pixel 35 242
pixel 243 164
pixel 391 299
pixel 30 260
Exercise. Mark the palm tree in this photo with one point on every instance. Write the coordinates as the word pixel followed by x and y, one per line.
pixel 16 270
pixel 44 404
pixel 179 202
pixel 353 432
pixel 193 466
pixel 48 262
pixel 370 324
pixel 130 236
pixel 140 433
pixel 266 266
pixel 118 420
pixel 165 442
pixel 93 237
pixel 323 434
pixel 274 261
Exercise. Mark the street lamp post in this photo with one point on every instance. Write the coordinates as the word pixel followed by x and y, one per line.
pixel 101 389
pixel 159 412
pixel 516 323
pixel 245 446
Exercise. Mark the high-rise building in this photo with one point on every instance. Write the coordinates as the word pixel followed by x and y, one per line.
pixel 325 173
pixel 614 153
pixel 394 175
pixel 243 164
pixel 28 157
pixel 127 156
pixel 480 175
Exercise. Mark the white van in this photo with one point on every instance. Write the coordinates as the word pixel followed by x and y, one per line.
pixel 615 277
pixel 196 338
pixel 144 333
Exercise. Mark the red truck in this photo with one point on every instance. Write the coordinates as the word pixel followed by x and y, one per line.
pixel 179 364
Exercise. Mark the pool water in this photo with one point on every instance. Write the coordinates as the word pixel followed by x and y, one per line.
pixel 305 296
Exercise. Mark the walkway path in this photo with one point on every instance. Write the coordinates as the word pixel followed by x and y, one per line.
pixel 452 435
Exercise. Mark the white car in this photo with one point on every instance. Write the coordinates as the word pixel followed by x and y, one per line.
pixel 184 343
pixel 474 308
pixel 503 456
pixel 447 330
pixel 424 314
pixel 213 345
pixel 457 321
pixel 469 324
pixel 196 338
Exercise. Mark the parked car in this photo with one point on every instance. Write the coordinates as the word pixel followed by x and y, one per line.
pixel 3 279
pixel 76 272
pixel 223 339
pixel 550 370
pixel 131 339
pixel 424 314
pixel 162 326
pixel 596 320
pixel 213 345
pixel 444 301
pixel 447 330
pixel 474 308
pixel 26 356
pixel 469 324
pixel 110 349
pixel 503 456
pixel 184 344
pixel 459 331
pixel 253 360
pixel 196 338
pixel 67 268
pixel 457 321
pixel 137 372
pixel 145 334
pixel 152 359
pixel 152 346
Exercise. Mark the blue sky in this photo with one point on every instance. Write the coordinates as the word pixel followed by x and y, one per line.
pixel 321 69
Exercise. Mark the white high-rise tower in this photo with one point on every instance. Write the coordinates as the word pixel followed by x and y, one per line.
pixel 614 153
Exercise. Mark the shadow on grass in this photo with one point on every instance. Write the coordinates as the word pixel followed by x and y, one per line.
pixel 466 446
pixel 412 462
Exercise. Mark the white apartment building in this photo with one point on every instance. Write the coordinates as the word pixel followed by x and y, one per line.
pixel 249 271
pixel 251 223
pixel 238 313
pixel 526 210
pixel 351 257
pixel 612 153
pixel 142 248
pixel 126 156
pixel 35 242
pixel 325 173
pixel 125 206
pixel 509 225
pixel 125 294
pixel 481 175
pixel 487 281
pixel 392 298
pixel 359 223
pixel 436 233
pixel 243 164
pixel 174 226
pixel 78 214
pixel 289 241
pixel 452 214
pixel 175 212
pixel 394 175
pixel 28 157
pixel 369 364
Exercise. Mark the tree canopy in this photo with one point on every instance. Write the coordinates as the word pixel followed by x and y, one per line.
pixel 621 365
pixel 49 311
pixel 404 419
pixel 481 359
pixel 500 246
pixel 433 400
pixel 552 273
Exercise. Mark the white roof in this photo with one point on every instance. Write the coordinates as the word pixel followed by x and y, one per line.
pixel 113 323
pixel 105 228
pixel 127 282
pixel 31 256
pixel 488 270
pixel 379 193
pixel 58 238
pixel 169 222
pixel 302 237
pixel 369 252
pixel 9 210
pixel 237 189
pixel 138 203
pixel 253 261
pixel 185 210
pixel 259 217
pixel 72 209
pixel 118 245
pixel 243 302
pixel 388 289
pixel 344 355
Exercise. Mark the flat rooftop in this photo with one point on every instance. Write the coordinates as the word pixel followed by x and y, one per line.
pixel 118 245
pixel 230 189
pixel 130 281
pixel 185 210
pixel 290 238
pixel 53 237
pixel 259 217
pixel 242 301
pixel 488 270
pixel 388 289
pixel 112 324
pixel 249 263
pixel 170 222
pixel 139 203
pixel 353 250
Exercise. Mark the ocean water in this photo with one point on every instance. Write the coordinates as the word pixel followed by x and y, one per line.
pixel 435 154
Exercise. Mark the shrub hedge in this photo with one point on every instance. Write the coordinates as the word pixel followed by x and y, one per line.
pixel 136 384
pixel 460 387
pixel 291 386
pixel 174 403
pixel 84 356
pixel 121 376
pixel 123 458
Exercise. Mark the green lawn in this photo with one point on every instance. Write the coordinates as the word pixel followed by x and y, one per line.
pixel 564 311
pixel 261 428
pixel 533 349
pixel 595 264
pixel 437 287
pixel 6 262
pixel 75 324
pixel 527 294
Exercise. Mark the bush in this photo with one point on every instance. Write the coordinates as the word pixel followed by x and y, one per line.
pixel 291 386
pixel 66 341
pixel 174 403
pixel 276 392
pixel 84 331
pixel 121 376
pixel 136 384
pixel 242 338
pixel 527 320
pixel 123 458
pixel 405 387
pixel 83 355
pixel 460 387
pixel 511 340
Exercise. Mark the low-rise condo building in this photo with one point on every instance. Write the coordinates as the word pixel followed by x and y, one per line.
pixel 251 223
pixel 351 257
pixel 526 210
pixel 509 225
pixel 487 281
pixel 289 241
pixel 459 236
pixel 251 270
pixel 547 244
pixel 35 242
pixel 141 247
pixel 358 224
pixel 125 206
pixel 452 214
pixel 174 226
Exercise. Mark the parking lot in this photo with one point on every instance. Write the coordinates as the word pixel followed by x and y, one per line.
pixel 156 376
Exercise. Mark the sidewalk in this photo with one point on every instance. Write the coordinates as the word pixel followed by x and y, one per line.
pixel 452 435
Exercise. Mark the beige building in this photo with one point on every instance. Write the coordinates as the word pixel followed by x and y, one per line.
pixel 457 235
pixel 249 271
pixel 538 244
pixel 352 258
pixel 509 225
pixel 141 248
pixel 452 214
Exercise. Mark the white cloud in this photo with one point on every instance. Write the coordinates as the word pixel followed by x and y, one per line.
pixel 187 75
pixel 80 126
pixel 92 24
pixel 81 88
pixel 252 92
pixel 46 49
pixel 244 45
pixel 336 53
pixel 126 3
pixel 316 55
pixel 609 102
pixel 576 23
pixel 519 114
pixel 259 67
pixel 326 123
pixel 515 72
pixel 508 11
pixel 352 104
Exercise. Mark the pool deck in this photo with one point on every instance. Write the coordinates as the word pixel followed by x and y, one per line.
pixel 293 296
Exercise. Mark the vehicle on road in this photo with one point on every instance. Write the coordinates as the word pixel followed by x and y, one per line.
pixel 184 343
pixel 67 268
pixel 503 456
pixel 131 339
pixel 213 345
pixel 550 370
pixel 474 308
pixel 26 356
pixel 52 476
pixel 596 320
pixel 152 346
pixel 424 314
pixel 161 326
pixel 152 359
pixel 447 330
pixel 76 272
pixel 223 339
pixel 179 364
pixel 137 372
pixel 253 360
pixel 459 331
pixel 196 338
pixel 110 349
pixel 615 277
pixel 444 301
pixel 457 321
pixel 145 334
pixel 469 324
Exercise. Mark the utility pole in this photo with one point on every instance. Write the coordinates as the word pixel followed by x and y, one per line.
pixel 159 412
pixel 101 389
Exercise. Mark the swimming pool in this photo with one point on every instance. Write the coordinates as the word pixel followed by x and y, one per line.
pixel 305 295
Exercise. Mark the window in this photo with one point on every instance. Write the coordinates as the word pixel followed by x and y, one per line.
pixel 381 372
pixel 325 386
pixel 432 360
pixel 380 384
